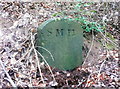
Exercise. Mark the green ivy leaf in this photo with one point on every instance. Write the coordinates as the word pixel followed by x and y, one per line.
pixel 57 14
pixel 94 11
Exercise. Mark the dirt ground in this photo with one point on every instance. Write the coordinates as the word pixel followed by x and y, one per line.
pixel 17 22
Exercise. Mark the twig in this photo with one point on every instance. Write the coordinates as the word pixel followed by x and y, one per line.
pixel 36 56
pixel 10 80
pixel 89 49
pixel 47 51
pixel 101 69
pixel 104 59
pixel 109 40
pixel 47 65
pixel 26 54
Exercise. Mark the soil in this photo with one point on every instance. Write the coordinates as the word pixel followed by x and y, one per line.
pixel 17 21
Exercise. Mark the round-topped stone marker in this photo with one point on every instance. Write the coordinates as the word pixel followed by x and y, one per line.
pixel 63 38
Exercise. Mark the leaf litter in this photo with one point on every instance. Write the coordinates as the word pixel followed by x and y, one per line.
pixel 17 20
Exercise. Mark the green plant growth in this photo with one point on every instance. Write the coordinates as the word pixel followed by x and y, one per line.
pixel 86 24
pixel 85 17
pixel 63 37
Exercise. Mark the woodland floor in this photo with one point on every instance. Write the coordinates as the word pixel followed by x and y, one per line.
pixel 17 21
